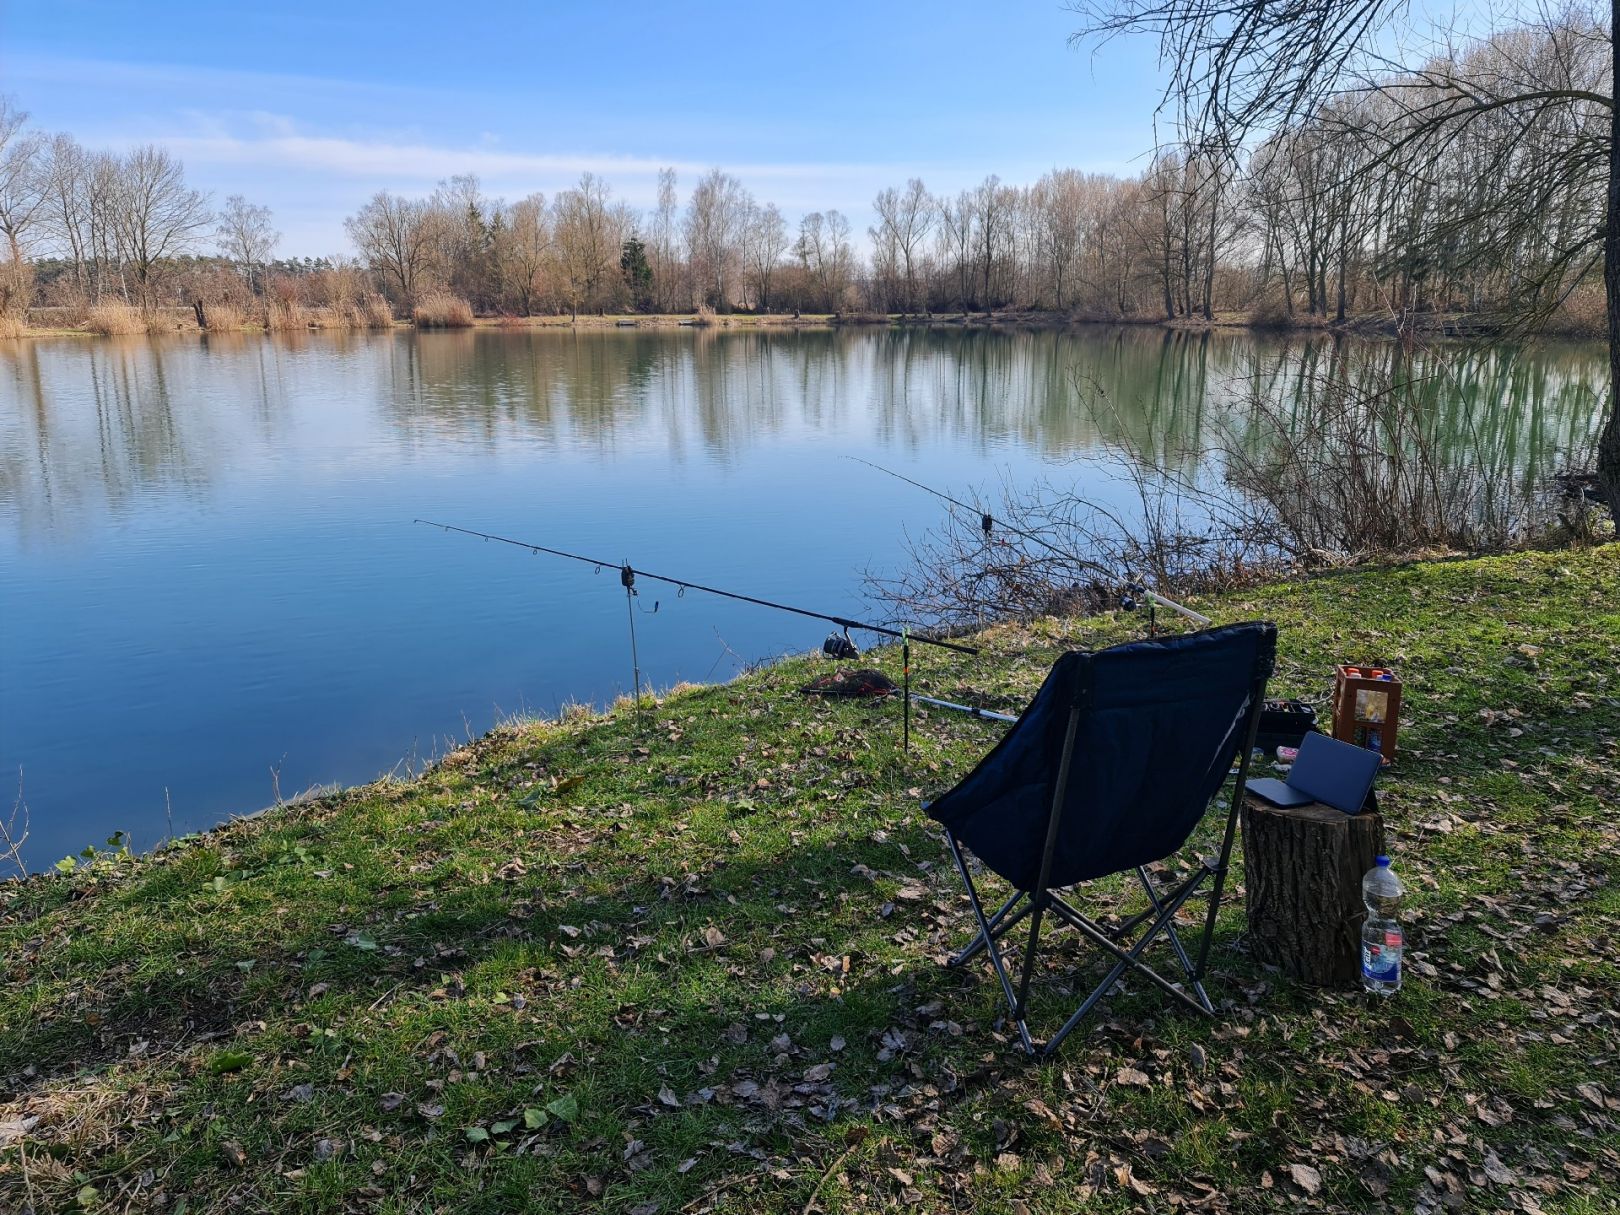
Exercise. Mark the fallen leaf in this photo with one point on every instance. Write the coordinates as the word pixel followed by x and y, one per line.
pixel 17 1128
pixel 1306 1178
pixel 1496 1170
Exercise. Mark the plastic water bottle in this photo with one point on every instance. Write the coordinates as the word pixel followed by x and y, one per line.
pixel 1382 942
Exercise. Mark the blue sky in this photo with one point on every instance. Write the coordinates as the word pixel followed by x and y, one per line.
pixel 312 107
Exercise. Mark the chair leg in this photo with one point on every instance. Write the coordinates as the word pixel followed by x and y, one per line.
pixel 987 936
pixel 1029 963
pixel 1158 919
pixel 1131 958
pixel 1170 932
pixel 1000 925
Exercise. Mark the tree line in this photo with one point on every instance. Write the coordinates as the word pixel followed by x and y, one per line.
pixel 1471 185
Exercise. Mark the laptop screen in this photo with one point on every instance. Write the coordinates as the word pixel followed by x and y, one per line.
pixel 1334 772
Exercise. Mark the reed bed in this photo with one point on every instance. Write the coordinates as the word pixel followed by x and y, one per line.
pixel 441 310
pixel 108 319
pixel 223 317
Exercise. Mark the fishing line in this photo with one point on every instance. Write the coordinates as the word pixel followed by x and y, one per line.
pixel 987 523
pixel 686 585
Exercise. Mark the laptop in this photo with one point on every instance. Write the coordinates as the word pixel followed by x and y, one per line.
pixel 1328 771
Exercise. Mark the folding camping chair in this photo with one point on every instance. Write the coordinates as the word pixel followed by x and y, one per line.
pixel 1109 769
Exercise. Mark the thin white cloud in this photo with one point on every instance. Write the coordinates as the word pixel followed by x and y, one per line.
pixel 191 78
pixel 383 160
pixel 278 160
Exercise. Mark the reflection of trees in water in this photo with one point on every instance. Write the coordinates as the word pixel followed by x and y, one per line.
pixel 1509 412
pixel 1166 395
pixel 1054 393
pixel 87 426
pixel 596 391
pixel 90 427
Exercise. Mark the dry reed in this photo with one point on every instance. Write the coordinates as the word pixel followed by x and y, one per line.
pixel 441 310
pixel 222 317
pixel 110 318
pixel 284 314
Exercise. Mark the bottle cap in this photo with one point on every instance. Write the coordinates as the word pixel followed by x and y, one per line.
pixel 1383 862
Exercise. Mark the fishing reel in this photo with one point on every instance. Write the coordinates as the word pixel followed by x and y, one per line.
pixel 839 646
pixel 1130 596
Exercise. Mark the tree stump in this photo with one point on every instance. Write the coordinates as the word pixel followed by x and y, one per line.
pixel 1302 871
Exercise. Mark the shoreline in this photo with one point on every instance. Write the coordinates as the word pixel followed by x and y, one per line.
pixel 577 716
pixel 1445 328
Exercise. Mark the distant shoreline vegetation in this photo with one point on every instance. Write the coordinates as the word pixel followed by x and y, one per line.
pixel 1343 217
pixel 373 313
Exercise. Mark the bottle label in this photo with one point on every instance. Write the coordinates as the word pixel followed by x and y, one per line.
pixel 1382 963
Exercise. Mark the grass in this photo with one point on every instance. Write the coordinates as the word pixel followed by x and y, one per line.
pixel 695 965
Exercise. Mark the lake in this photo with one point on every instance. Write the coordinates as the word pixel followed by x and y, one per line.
pixel 212 590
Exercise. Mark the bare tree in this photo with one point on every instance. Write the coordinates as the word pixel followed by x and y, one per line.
pixel 1258 65
pixel 1059 203
pixel 526 251
pixel 665 243
pixel 824 251
pixel 905 218
pixel 765 240
pixel 714 225
pixel 395 236
pixel 246 235
pixel 22 177
pixel 156 217
pixel 589 234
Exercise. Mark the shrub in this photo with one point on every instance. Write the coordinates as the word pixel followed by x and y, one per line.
pixel 441 310
pixel 282 314
pixel 16 289
pixel 1582 313
pixel 109 319
pixel 222 316
pixel 373 312
pixel 1271 311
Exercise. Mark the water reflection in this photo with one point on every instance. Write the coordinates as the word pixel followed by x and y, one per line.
pixel 89 427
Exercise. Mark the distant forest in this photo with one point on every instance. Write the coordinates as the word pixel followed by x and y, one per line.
pixel 1472 186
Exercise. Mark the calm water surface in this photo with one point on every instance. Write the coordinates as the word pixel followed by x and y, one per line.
pixel 210 583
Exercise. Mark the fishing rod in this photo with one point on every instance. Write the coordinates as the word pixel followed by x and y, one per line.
pixel 628 574
pixel 970 710
pixel 987 523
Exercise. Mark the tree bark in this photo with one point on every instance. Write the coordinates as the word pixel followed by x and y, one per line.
pixel 1302 882
pixel 1608 453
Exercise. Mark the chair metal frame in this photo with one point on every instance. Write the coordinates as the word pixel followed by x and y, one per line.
pixel 1159 916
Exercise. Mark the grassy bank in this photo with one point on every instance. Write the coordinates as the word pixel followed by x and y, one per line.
pixel 696 966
